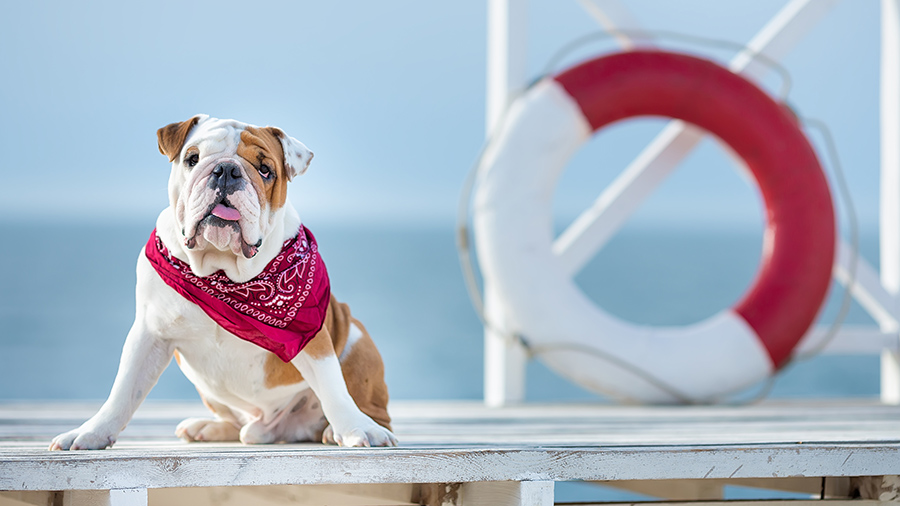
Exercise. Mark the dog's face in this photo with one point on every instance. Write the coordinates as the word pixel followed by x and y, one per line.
pixel 229 180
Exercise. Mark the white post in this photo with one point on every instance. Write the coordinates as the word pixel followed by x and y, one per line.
pixel 504 360
pixel 124 497
pixel 507 493
pixel 890 184
pixel 506 61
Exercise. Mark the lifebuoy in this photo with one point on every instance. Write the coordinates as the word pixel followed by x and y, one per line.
pixel 514 234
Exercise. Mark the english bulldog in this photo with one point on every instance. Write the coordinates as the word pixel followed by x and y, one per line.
pixel 232 285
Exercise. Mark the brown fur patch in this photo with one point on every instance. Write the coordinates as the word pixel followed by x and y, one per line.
pixel 280 373
pixel 335 329
pixel 171 137
pixel 364 375
pixel 178 358
pixel 262 146
pixel 289 171
pixel 362 367
pixel 321 346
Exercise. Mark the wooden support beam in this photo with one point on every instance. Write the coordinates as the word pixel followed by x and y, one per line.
pixel 385 494
pixel 879 488
pixel 507 493
pixel 838 487
pixel 776 502
pixel 124 497
pixel 27 498
pixel 437 494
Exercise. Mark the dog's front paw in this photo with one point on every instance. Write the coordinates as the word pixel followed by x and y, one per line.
pixel 367 433
pixel 83 439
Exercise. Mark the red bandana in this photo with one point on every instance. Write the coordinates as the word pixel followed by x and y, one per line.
pixel 281 309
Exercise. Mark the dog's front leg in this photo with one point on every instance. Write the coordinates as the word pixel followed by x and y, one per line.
pixel 321 369
pixel 144 358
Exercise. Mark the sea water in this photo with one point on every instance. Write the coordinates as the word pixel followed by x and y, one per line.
pixel 67 302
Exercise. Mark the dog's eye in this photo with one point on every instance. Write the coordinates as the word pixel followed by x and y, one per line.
pixel 265 171
pixel 192 160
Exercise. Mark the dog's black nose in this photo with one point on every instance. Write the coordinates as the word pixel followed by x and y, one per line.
pixel 227 169
pixel 226 177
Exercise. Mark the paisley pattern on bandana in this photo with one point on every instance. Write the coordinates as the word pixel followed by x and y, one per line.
pixel 281 309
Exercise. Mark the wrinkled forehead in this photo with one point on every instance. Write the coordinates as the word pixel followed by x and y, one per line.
pixel 214 135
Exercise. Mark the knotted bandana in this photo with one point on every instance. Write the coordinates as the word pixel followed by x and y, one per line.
pixel 280 310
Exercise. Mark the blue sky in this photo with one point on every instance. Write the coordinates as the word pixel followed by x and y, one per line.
pixel 389 95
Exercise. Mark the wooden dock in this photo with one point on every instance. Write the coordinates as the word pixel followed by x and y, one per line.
pixel 462 453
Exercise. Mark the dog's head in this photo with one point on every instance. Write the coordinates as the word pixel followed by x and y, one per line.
pixel 229 180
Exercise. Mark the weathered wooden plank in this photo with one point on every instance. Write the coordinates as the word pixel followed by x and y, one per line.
pixel 462 410
pixel 464 442
pixel 472 423
pixel 136 467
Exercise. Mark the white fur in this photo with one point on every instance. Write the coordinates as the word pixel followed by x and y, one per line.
pixel 350 426
pixel 229 371
pixel 355 334
pixel 216 141
pixel 296 156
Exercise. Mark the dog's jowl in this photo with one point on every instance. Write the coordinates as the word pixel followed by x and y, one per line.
pixel 232 284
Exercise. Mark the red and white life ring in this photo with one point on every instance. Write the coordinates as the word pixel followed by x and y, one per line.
pixel 514 234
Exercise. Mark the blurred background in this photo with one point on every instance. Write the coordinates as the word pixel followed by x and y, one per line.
pixel 390 96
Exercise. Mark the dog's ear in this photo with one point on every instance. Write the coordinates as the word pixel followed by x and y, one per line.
pixel 296 155
pixel 171 137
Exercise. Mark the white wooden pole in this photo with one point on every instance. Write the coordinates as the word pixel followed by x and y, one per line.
pixel 614 16
pixel 504 359
pixel 506 57
pixel 126 497
pixel 507 493
pixel 890 184
pixel 590 231
pixel 867 288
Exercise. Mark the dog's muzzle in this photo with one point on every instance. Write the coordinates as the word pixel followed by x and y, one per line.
pixel 227 178
pixel 223 184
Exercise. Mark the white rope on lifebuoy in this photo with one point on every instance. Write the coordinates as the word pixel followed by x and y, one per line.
pixel 514 234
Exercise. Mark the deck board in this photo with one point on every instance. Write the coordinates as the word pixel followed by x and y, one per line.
pixel 445 442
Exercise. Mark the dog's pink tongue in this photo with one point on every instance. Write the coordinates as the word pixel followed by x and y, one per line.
pixel 226 213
